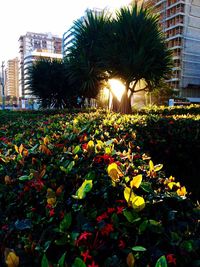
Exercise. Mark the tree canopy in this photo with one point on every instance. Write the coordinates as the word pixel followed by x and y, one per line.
pixel 128 45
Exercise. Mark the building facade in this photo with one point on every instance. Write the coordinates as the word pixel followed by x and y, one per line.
pixel 180 22
pixel 12 78
pixel 33 46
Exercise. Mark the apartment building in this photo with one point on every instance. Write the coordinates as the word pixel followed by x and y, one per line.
pixel 33 46
pixel 180 22
pixel 12 78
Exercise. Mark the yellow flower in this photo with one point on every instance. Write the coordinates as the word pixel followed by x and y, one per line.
pixel 46 140
pixel 90 146
pixel 7 179
pixel 12 259
pixel 76 157
pixel 114 172
pixel 128 194
pixel 138 203
pixel 51 201
pixel 181 191
pixel 136 181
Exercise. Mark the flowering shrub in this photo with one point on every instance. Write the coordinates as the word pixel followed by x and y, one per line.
pixel 78 190
pixel 175 140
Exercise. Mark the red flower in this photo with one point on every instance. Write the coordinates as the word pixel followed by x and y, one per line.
pixel 107 229
pixel 120 210
pixel 37 184
pixel 62 214
pixel 84 146
pixel 33 209
pixel 4 227
pixel 171 259
pixel 121 244
pixel 120 200
pixel 83 236
pixel 48 206
pixel 137 156
pixel 107 159
pixel 102 217
pixel 110 210
pixel 93 265
pixel 86 255
pixel 83 137
pixel 59 145
pixel 51 212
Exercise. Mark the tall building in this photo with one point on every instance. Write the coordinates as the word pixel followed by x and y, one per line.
pixel 33 46
pixel 180 22
pixel 12 78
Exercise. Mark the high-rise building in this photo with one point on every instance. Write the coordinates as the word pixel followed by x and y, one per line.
pixel 12 78
pixel 33 46
pixel 180 22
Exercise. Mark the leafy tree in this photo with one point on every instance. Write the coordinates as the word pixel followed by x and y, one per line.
pixel 137 52
pixel 48 82
pixel 129 47
pixel 86 44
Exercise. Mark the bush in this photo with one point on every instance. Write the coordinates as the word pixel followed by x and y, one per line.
pixel 77 189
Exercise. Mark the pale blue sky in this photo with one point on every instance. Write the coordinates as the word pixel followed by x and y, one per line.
pixel 56 16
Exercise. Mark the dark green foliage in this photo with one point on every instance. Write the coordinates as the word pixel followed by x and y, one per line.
pixel 49 83
pixel 44 162
pixel 129 47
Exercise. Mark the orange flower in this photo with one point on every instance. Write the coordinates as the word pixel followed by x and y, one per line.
pixel 181 191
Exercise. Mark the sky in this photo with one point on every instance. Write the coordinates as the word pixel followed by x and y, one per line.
pixel 41 16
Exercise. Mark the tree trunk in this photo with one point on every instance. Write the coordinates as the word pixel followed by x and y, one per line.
pixel 115 103
pixel 125 104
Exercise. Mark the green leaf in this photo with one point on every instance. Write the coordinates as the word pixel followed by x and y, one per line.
pixel 24 178
pixel 63 169
pixel 62 241
pixel 161 262
pixel 66 222
pixel 146 187
pixel 70 166
pixel 188 245
pixel 79 263
pixel 90 176
pixel 61 262
pixel 139 248
pixel 155 226
pixel 46 245
pixel 33 148
pixel 143 226
pixel 85 188
pixel 77 150
pixel 44 262
pixel 130 216
pixel 109 142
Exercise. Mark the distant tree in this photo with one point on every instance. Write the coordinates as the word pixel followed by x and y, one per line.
pixel 162 93
pixel 48 82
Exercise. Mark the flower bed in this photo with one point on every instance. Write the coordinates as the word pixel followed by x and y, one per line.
pixel 175 141
pixel 77 190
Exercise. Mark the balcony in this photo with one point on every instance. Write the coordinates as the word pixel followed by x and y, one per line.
pixel 159 3
pixel 174 3
pixel 174 15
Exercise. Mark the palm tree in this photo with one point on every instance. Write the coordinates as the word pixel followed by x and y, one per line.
pixel 129 47
pixel 86 44
pixel 48 82
pixel 137 51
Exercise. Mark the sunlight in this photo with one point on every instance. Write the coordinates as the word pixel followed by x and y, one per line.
pixel 117 88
